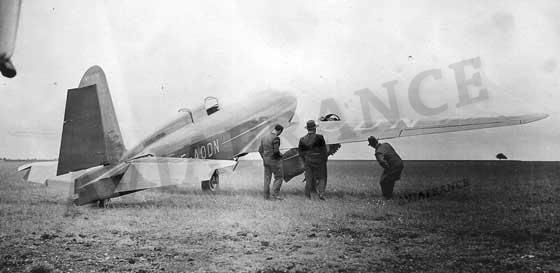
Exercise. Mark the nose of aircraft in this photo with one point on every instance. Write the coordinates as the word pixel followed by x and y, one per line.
pixel 276 104
pixel 287 101
pixel 279 101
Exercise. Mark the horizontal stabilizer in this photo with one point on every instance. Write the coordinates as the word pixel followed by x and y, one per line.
pixel 66 178
pixel 45 173
pixel 38 172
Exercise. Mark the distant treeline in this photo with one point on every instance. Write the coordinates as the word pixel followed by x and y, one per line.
pixel 28 159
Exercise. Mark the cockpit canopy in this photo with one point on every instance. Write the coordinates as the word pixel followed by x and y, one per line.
pixel 211 105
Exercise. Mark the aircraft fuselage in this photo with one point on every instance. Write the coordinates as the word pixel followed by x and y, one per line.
pixel 222 135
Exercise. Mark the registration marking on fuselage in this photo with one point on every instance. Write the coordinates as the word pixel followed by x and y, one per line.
pixel 207 150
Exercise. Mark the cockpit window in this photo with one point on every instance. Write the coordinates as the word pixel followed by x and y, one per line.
pixel 211 104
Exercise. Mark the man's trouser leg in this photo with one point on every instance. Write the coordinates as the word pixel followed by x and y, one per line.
pixel 321 180
pixel 388 179
pixel 313 185
pixel 309 180
pixel 267 177
pixel 276 169
pixel 321 184
pixel 387 183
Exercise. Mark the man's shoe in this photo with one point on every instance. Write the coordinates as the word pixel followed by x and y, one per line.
pixel 321 197
pixel 277 198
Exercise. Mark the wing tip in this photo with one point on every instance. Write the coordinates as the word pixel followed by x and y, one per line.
pixel 533 117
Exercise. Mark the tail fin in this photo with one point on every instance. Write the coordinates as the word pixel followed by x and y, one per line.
pixel 90 135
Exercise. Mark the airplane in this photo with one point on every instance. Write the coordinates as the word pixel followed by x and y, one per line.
pixel 200 143
pixel 9 18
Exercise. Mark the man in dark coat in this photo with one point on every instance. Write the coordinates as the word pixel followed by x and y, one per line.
pixel 391 163
pixel 272 162
pixel 313 151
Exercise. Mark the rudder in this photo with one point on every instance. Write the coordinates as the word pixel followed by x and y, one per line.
pixel 90 135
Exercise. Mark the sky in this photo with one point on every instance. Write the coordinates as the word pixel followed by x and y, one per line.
pixel 160 58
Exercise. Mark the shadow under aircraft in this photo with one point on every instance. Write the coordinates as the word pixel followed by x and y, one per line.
pixel 195 147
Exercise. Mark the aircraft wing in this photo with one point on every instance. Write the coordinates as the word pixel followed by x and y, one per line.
pixel 126 177
pixel 153 172
pixel 142 173
pixel 347 132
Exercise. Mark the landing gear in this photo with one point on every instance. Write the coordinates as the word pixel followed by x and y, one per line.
pixel 212 184
pixel 103 203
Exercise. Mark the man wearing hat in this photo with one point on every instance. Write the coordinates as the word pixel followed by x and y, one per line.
pixel 272 161
pixel 392 165
pixel 313 151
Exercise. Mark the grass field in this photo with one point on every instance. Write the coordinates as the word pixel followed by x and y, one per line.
pixel 507 220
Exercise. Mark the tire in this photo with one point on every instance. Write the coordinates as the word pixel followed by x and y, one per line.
pixel 212 184
pixel 103 203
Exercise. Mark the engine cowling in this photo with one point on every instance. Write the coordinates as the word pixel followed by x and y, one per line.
pixel 7 69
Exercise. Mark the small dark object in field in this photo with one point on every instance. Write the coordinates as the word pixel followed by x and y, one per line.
pixel 157 248
pixel 82 235
pixel 47 236
pixel 265 243
pixel 242 233
pixel 312 235
pixel 501 156
pixel 131 261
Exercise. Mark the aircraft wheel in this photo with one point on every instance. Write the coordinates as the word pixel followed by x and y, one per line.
pixel 212 184
pixel 103 203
